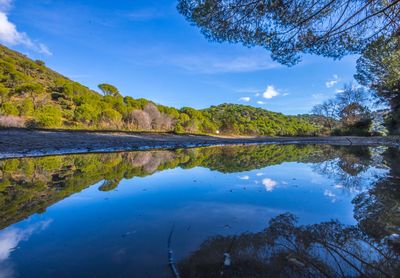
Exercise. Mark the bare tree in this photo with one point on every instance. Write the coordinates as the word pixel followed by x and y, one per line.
pixel 139 119
pixel 328 111
pixel 154 115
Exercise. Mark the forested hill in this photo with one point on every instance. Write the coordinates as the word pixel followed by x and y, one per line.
pixel 32 95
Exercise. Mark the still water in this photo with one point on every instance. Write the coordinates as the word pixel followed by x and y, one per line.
pixel 234 211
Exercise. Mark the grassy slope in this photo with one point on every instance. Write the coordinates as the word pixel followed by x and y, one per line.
pixel 62 103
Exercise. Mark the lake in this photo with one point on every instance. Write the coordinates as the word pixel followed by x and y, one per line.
pixel 233 211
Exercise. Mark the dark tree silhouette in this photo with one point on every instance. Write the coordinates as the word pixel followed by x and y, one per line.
pixel 330 28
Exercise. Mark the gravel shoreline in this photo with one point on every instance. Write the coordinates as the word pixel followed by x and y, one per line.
pixel 29 143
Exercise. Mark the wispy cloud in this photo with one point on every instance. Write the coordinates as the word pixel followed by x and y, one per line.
pixel 333 82
pixel 260 102
pixel 213 64
pixel 9 34
pixel 248 90
pixel 270 92
pixel 245 99
pixel 10 238
pixel 144 14
pixel 319 98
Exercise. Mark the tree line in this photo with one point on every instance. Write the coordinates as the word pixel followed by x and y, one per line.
pixel 32 95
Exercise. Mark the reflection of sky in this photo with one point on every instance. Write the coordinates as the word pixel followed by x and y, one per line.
pixel 125 230
pixel 9 241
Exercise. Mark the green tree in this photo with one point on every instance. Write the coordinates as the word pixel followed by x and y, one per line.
pixel 109 90
pixel 48 116
pixel 26 108
pixel 330 28
pixel 35 91
pixel 4 93
pixel 8 108
pixel 379 69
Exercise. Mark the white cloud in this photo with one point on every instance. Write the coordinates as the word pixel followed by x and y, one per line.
pixel 339 91
pixel 333 82
pixel 9 34
pixel 270 92
pixel 246 99
pixel 285 94
pixel 269 184
pixel 244 178
pixel 261 102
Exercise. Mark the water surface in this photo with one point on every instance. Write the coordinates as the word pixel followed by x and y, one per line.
pixel 235 211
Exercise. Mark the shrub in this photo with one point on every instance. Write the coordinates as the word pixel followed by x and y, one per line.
pixel 11 121
pixel 26 108
pixel 111 117
pixel 7 108
pixel 48 116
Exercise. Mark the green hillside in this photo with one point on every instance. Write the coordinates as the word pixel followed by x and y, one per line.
pixel 32 95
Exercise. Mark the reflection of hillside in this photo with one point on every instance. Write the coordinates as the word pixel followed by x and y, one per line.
pixel 285 249
pixel 30 185
pixel 243 158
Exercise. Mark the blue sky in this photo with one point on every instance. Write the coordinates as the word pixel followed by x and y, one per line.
pixel 147 49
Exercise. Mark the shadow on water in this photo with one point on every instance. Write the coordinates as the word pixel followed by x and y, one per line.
pixel 370 248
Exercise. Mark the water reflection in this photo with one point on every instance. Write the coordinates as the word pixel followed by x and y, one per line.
pixel 286 249
pixel 29 185
pixel 371 248
pixel 248 186
pixel 9 241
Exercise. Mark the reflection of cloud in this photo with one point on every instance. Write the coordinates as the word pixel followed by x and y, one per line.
pixel 333 82
pixel 330 195
pixel 10 238
pixel 259 174
pixel 244 177
pixel 269 184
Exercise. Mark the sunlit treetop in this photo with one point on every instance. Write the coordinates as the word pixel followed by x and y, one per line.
pixel 331 28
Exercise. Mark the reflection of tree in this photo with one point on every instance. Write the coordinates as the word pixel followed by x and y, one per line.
pixel 348 165
pixel 231 159
pixel 378 209
pixel 30 185
pixel 284 249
